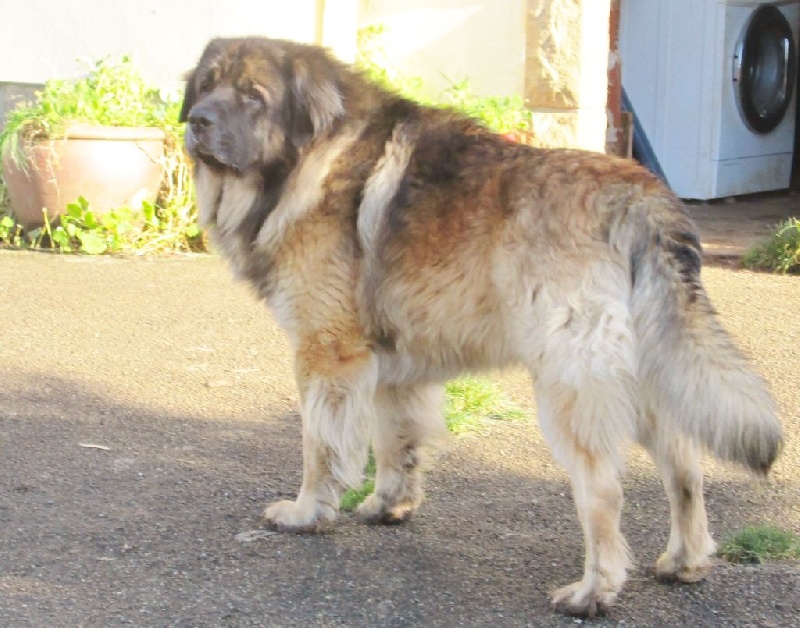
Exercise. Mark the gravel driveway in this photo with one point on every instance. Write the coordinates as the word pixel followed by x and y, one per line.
pixel 147 413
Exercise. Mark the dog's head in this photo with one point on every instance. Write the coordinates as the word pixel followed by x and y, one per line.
pixel 254 102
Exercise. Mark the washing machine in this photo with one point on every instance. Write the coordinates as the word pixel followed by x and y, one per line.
pixel 713 88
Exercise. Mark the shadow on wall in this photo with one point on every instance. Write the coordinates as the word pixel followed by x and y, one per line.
pixel 444 41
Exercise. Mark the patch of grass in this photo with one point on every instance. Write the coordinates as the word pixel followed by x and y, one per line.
pixel 781 253
pixel 470 403
pixel 354 496
pixel 756 544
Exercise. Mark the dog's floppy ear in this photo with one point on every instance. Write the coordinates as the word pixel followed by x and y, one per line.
pixel 316 93
pixel 189 97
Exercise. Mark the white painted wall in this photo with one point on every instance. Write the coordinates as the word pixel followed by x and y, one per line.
pixel 41 39
pixel 438 40
pixel 448 40
pixel 441 41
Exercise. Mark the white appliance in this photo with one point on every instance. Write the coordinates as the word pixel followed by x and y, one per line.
pixel 713 86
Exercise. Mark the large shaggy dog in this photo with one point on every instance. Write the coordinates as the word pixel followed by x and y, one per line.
pixel 400 245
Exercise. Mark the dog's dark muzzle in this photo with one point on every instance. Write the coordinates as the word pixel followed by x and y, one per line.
pixel 221 132
pixel 202 120
pixel 204 136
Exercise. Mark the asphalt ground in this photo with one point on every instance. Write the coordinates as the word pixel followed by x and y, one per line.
pixel 148 413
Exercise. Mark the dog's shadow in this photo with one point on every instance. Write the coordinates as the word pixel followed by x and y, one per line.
pixel 101 497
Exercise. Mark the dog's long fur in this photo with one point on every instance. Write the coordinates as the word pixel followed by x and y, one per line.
pixel 400 245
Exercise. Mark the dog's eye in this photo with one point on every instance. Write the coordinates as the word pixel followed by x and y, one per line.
pixel 252 92
pixel 207 84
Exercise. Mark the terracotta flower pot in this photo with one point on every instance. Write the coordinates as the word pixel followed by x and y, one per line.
pixel 109 166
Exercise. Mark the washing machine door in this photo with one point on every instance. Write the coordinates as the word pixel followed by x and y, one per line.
pixel 764 69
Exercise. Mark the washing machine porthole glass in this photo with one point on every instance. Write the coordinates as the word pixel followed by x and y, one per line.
pixel 764 69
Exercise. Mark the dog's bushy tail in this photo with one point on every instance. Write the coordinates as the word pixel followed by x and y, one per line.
pixel 691 371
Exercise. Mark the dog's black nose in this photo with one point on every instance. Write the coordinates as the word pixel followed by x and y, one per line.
pixel 200 120
pixel 202 116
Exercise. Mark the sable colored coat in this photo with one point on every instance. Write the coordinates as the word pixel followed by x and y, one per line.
pixel 400 245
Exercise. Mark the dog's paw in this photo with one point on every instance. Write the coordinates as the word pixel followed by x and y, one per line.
pixel 583 600
pixel 297 516
pixel 670 568
pixel 374 511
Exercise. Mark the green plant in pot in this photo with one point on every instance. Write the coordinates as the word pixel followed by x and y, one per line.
pixel 96 137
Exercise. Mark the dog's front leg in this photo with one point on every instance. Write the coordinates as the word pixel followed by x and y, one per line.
pixel 337 386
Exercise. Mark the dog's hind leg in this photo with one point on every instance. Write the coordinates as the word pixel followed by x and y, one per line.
pixel 678 460
pixel 595 476
pixel 587 399
pixel 408 419
pixel 337 386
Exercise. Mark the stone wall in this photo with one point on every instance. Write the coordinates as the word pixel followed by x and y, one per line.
pixel 566 71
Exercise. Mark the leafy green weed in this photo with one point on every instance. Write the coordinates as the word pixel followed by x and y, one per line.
pixel 756 544
pixel 781 253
